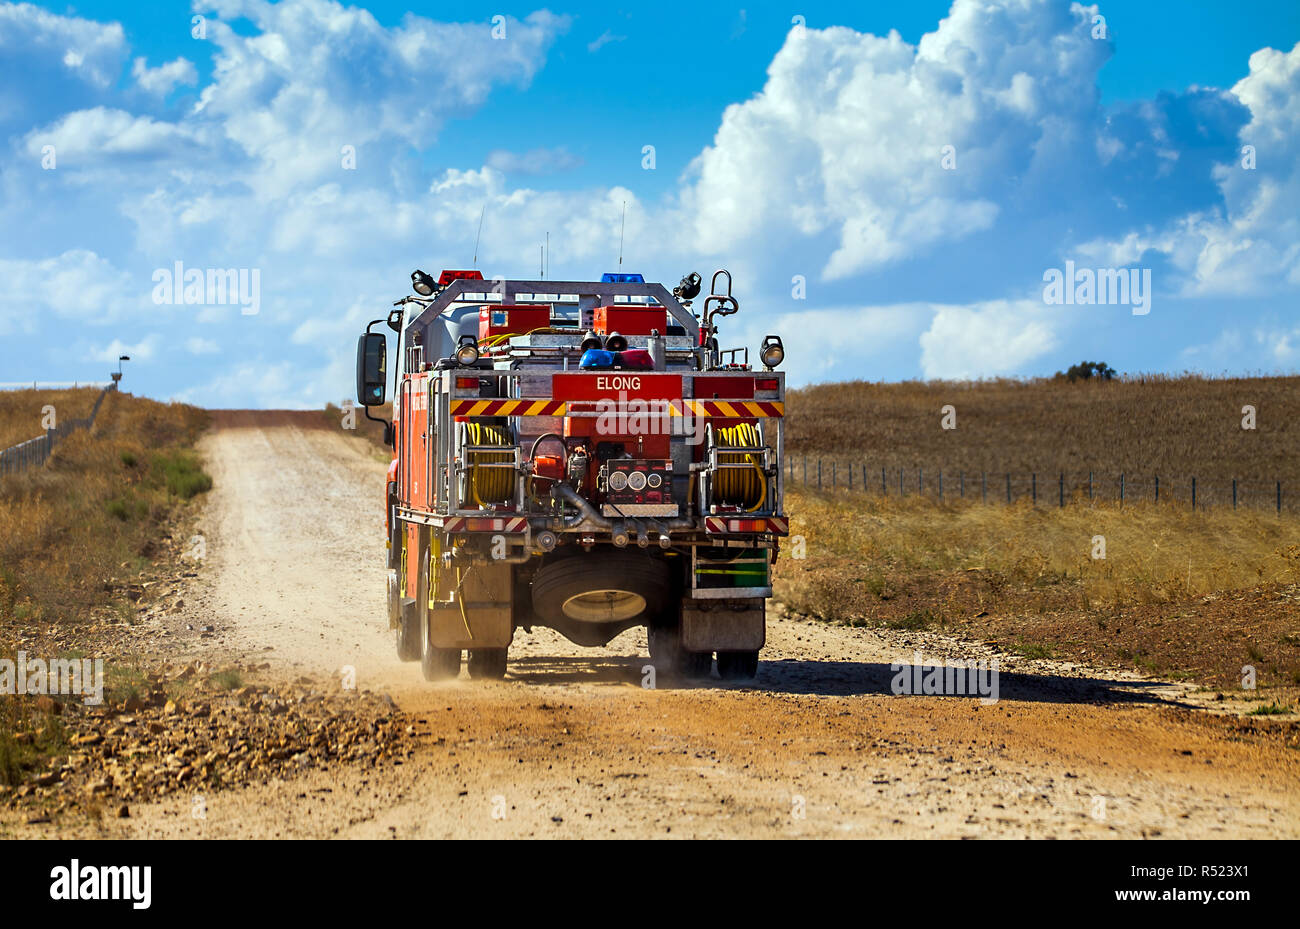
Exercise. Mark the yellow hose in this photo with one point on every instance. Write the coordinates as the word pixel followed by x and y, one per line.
pixel 493 485
pixel 745 487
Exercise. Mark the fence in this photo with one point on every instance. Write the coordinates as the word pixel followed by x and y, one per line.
pixel 35 452
pixel 1057 488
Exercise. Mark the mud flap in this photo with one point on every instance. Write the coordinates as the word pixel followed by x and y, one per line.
pixel 724 625
pixel 485 590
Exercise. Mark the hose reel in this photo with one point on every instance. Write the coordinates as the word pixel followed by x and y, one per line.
pixel 489 466
pixel 739 478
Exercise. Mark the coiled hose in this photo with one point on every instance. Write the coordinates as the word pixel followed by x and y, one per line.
pixel 746 487
pixel 488 485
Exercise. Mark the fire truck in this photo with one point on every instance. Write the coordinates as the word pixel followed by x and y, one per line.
pixel 580 456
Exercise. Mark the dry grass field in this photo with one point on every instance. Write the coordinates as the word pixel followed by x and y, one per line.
pixel 1141 427
pixel 1180 592
pixel 73 529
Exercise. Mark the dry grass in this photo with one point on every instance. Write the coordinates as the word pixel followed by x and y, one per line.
pixel 1027 576
pixel 1175 427
pixel 22 412
pixel 69 531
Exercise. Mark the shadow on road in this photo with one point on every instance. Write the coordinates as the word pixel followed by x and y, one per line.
pixel 840 679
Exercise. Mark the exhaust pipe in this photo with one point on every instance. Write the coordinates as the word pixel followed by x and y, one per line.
pixel 619 536
pixel 642 536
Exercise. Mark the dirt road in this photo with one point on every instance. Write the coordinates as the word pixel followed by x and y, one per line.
pixel 571 744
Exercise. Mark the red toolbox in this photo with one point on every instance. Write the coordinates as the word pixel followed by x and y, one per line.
pixel 630 319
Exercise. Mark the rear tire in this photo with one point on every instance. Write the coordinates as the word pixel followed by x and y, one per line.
pixel 738 666
pixel 487 663
pixel 407 633
pixel 667 654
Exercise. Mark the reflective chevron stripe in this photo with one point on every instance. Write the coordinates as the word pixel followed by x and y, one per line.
pixel 729 409
pixel 485 524
pixel 507 407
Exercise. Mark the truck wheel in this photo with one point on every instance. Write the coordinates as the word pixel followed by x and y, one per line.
pixel 487 663
pixel 599 588
pixel 667 654
pixel 440 664
pixel 407 630
pixel 737 666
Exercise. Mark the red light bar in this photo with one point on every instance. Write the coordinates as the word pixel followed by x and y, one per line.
pixel 446 277
pixel 466 383
pixel 767 383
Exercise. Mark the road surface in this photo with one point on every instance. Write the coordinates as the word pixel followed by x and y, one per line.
pixel 571 744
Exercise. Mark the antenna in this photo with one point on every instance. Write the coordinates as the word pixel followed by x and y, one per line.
pixel 547 271
pixel 621 227
pixel 480 233
pixel 541 261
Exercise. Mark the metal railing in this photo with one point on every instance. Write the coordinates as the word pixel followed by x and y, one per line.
pixel 35 452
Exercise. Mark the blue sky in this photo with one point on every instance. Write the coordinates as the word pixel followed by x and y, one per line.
pixel 786 152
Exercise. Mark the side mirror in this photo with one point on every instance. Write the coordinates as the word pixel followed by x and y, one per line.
pixel 372 366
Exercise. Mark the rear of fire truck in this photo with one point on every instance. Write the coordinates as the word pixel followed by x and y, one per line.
pixel 581 456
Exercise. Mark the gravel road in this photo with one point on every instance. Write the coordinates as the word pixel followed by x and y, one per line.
pixel 571 744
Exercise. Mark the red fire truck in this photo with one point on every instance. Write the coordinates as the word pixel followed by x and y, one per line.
pixel 581 456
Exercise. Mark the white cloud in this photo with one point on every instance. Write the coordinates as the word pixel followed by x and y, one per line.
pixel 605 38
pixel 197 345
pixel 99 133
pixel 844 142
pixel 318 76
pixel 77 284
pixel 162 79
pixel 988 338
pixel 537 161
pixel 92 51
pixel 139 351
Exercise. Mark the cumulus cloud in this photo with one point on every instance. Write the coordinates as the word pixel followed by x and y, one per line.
pixel 91 136
pixel 985 339
pixel 78 283
pixel 164 78
pixel 845 143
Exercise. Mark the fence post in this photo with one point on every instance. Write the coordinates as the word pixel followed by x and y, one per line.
pixel 834 476
pixel 984 486
pixel 1121 490
pixel 920 483
pixel 805 470
pixel 1157 488
pixel 1193 493
pixel 1062 488
pixel 901 492
pixel 884 487
pixel 961 476
pixel 850 477
pixel 941 485
pixel 1279 498
pixel 1089 485
pixel 1234 493
pixel 819 473
pixel 1008 487
pixel 1033 479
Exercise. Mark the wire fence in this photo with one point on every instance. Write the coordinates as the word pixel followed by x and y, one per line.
pixel 1037 488
pixel 35 452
